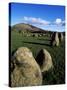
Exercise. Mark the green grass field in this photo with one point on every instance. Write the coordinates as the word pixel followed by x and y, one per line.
pixel 53 76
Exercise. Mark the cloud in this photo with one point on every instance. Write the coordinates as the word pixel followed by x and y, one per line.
pixel 63 23
pixel 42 22
pixel 59 22
pixel 25 18
pixel 34 20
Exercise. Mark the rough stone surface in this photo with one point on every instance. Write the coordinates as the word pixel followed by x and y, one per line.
pixel 61 37
pixel 44 60
pixel 55 39
pixel 26 71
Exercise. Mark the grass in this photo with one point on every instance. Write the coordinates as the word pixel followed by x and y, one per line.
pixel 53 76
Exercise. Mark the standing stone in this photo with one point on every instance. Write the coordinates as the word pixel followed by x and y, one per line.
pixel 26 72
pixel 44 60
pixel 36 35
pixel 55 39
pixel 61 37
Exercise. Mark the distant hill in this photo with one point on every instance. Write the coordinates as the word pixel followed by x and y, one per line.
pixel 26 27
pixel 30 28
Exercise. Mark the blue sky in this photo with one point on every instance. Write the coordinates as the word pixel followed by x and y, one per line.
pixel 49 17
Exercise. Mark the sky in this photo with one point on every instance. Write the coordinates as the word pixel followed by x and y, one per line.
pixel 47 17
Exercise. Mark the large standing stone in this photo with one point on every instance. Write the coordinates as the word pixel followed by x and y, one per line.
pixel 55 39
pixel 61 37
pixel 26 72
pixel 44 60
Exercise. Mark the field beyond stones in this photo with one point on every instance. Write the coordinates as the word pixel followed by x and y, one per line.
pixel 35 44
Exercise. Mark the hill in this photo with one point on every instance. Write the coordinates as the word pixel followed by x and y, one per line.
pixel 29 28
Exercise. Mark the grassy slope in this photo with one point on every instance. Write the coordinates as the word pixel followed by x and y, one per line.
pixel 55 76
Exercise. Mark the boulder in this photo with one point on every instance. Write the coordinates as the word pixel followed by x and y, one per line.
pixel 26 72
pixel 44 60
pixel 55 39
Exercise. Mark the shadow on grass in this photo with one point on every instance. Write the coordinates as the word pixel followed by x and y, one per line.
pixel 46 44
pixel 44 39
